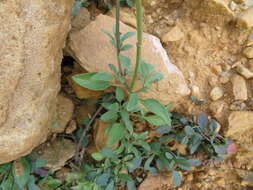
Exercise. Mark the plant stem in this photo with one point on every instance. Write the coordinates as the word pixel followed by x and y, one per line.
pixel 139 16
pixel 117 35
pixel 78 157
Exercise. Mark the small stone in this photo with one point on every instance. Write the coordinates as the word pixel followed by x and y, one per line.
pixel 173 35
pixel 224 79
pixel 245 19
pixel 244 71
pixel 65 109
pixel 217 69
pixel 250 40
pixel 248 52
pixel 239 88
pixel 195 91
pixel 213 81
pixel 71 127
pixel 216 93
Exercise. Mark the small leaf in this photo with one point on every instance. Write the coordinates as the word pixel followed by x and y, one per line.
pixel 116 132
pixel 157 108
pixel 133 102
pixel 108 34
pixel 103 179
pixel 93 81
pixel 164 129
pixel 125 62
pixel 147 164
pixel 119 94
pixel 169 155
pixel 176 178
pixel 136 163
pixel 155 120
pixel 156 77
pixel 107 152
pixel 127 122
pixel 110 186
pixel 202 120
pixel 126 47
pixel 131 185
pixel 97 156
pixel 127 35
pixel 189 130
pixel 125 177
pixel 109 116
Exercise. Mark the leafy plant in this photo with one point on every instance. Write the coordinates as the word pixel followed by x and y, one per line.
pixel 127 150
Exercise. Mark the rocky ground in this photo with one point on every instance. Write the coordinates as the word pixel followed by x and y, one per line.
pixel 204 48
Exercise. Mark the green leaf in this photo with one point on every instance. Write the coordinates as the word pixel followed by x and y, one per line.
pixel 119 94
pixel 176 178
pixel 131 185
pixel 202 120
pixel 116 132
pixel 76 8
pixel 53 183
pixel 108 34
pixel 109 116
pixel 39 163
pixel 113 69
pixel 113 107
pixel 127 122
pixel 147 164
pixel 125 177
pixel 31 184
pixel 136 163
pixel 126 47
pixel 107 152
pixel 97 156
pixel 157 108
pixel 155 120
pixel 125 62
pixel 144 144
pixel 189 130
pixel 93 81
pixel 22 179
pixel 110 186
pixel 133 102
pixel 169 155
pixel 164 129
pixel 127 35
pixel 103 179
pixel 155 77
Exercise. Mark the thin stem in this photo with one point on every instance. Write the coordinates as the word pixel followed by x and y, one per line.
pixel 117 35
pixel 139 41
pixel 88 126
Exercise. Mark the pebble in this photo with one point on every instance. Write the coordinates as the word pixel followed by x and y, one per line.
pixel 224 79
pixel 248 52
pixel 239 88
pixel 244 71
pixel 216 93
pixel 175 34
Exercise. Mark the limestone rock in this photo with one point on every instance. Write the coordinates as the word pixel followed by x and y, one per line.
pixel 216 93
pixel 248 52
pixel 245 20
pixel 57 153
pixel 240 125
pixel 239 88
pixel 32 36
pixel 99 53
pixel 244 72
pixel 81 20
pixel 65 109
pixel 154 182
pixel 174 34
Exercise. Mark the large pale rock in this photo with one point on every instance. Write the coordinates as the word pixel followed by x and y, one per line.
pixel 245 20
pixel 92 49
pixel 241 128
pixel 239 88
pixel 32 36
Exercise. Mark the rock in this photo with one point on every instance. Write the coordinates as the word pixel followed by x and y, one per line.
pixel 65 109
pixel 99 53
pixel 250 40
pixel 245 19
pixel 32 36
pixel 245 174
pixel 84 93
pixel 248 52
pixel 244 71
pixel 214 12
pixel 240 126
pixel 57 153
pixel 174 34
pixel 154 182
pixel 196 92
pixel 224 79
pixel 216 93
pixel 81 20
pixel 239 88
